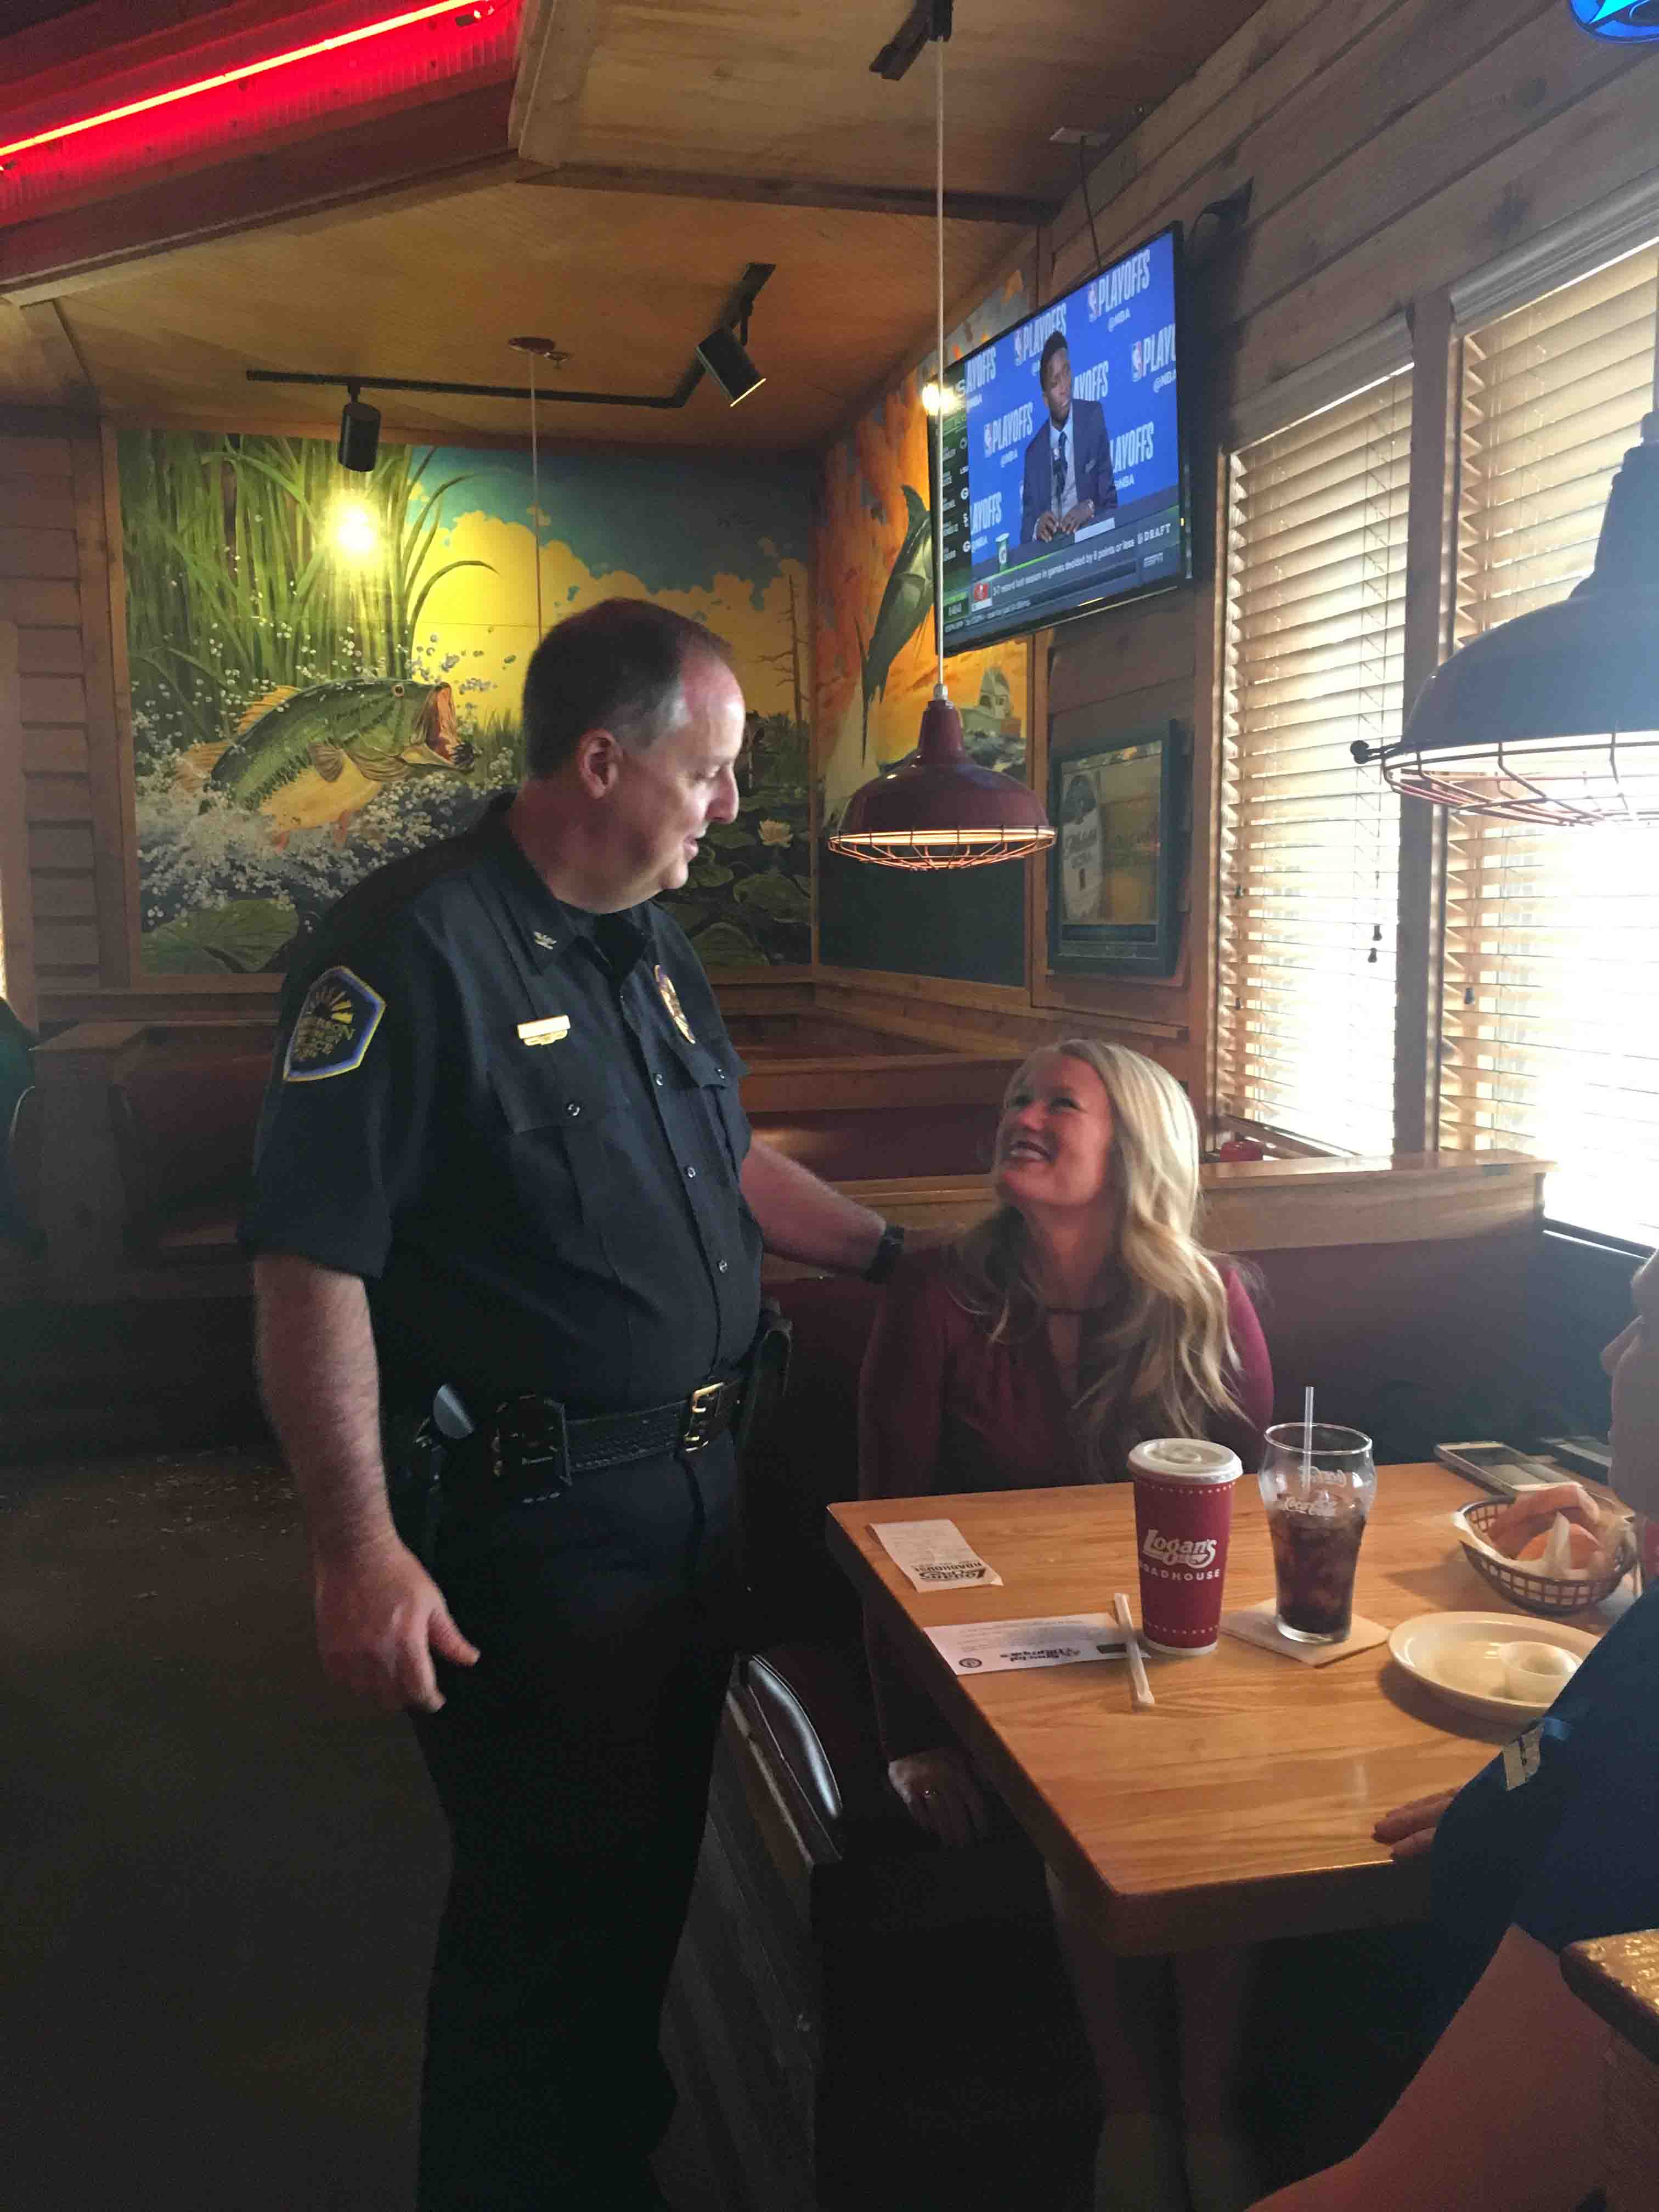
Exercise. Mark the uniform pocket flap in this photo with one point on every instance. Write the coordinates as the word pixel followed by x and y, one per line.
pixel 543 1087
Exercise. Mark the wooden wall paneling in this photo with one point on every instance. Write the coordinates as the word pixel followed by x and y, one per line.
pixel 87 455
pixel 1541 71
pixel 1036 762
pixel 1583 153
pixel 16 904
pixel 1427 620
pixel 1191 149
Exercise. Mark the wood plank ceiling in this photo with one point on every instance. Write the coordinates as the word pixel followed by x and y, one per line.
pixel 702 135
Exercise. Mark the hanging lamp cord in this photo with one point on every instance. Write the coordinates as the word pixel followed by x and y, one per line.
pixel 939 364
pixel 536 501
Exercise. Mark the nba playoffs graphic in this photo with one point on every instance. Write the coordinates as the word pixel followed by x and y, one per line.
pixel 1062 460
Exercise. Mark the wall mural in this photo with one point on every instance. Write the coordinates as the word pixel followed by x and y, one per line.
pixel 874 660
pixel 325 669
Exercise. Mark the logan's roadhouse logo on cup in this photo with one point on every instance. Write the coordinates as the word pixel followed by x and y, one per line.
pixel 1179 1559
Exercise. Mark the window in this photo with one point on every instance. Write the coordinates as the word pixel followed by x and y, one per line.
pixel 1308 842
pixel 1550 1012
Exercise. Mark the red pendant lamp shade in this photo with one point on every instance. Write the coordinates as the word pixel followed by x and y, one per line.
pixel 943 811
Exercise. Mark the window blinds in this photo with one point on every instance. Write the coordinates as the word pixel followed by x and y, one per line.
pixel 1307 843
pixel 1549 1014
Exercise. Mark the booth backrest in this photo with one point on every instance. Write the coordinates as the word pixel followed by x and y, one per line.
pixel 1414 1343
pixel 21 1191
pixel 849 1146
pixel 184 1133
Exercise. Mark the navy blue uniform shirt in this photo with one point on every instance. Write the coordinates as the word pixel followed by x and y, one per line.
pixel 519 1124
pixel 1560 1835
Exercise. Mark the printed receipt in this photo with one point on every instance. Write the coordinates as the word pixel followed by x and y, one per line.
pixel 934 1555
pixel 993 1647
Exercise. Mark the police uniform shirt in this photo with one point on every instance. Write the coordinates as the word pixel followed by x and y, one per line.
pixel 1560 1835
pixel 520 1123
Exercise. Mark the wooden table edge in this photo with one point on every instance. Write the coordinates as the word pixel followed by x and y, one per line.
pixel 1318 1901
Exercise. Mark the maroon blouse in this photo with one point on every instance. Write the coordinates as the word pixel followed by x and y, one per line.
pixel 941 1408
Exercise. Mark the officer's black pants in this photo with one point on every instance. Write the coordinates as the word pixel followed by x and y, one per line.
pixel 573 1765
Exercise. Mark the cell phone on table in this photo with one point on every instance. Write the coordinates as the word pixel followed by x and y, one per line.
pixel 1586 1456
pixel 1496 1466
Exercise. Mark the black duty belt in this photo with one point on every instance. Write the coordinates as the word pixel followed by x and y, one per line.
pixel 529 1449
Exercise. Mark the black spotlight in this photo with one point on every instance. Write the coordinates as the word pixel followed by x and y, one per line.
pixel 360 434
pixel 729 364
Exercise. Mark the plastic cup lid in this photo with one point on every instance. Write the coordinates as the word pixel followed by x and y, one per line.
pixel 1185 1459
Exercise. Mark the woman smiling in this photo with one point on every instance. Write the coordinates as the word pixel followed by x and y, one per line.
pixel 1082 1317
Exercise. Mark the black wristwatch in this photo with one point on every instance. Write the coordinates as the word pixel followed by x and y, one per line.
pixel 886 1254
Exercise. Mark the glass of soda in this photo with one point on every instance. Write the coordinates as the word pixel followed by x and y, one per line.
pixel 1317 1485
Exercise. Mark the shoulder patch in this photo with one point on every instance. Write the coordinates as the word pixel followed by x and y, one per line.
pixel 332 1031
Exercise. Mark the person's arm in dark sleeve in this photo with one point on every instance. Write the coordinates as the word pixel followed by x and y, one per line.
pixel 1104 489
pixel 341 1142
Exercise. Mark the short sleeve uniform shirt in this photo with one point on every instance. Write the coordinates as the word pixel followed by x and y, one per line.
pixel 1560 1835
pixel 519 1124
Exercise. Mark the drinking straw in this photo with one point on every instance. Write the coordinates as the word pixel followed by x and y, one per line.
pixel 1307 1439
pixel 1126 1621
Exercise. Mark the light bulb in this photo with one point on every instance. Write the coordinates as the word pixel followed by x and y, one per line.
pixel 939 399
pixel 356 534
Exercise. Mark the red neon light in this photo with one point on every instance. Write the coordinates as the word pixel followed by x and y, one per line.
pixel 425 14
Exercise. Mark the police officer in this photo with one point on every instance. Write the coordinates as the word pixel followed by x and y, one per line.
pixel 506 1216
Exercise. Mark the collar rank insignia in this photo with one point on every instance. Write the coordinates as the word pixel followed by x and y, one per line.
pixel 670 999
pixel 542 938
pixel 335 1025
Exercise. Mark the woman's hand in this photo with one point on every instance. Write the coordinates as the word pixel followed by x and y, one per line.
pixel 939 1793
pixel 1408 1831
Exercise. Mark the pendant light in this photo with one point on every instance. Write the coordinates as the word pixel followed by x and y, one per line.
pixel 944 811
pixel 1553 718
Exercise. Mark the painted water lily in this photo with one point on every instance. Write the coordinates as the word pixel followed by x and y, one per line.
pixel 775 833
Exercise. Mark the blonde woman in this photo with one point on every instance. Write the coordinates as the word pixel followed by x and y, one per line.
pixel 1079 1318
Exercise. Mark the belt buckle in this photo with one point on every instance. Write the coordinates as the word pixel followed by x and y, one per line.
pixel 701 1409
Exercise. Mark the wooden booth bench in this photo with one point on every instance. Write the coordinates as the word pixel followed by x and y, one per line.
pixel 133 1150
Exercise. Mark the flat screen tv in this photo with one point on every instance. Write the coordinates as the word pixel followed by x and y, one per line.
pixel 1064 461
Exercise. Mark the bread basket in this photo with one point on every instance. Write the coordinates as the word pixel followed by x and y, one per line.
pixel 1523 1585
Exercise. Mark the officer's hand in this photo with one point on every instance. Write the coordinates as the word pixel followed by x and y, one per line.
pixel 937 1791
pixel 1408 1831
pixel 379 1618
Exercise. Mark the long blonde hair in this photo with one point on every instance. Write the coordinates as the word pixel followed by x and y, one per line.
pixel 1171 1344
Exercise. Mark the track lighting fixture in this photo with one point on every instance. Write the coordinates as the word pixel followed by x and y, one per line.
pixel 722 355
pixel 360 434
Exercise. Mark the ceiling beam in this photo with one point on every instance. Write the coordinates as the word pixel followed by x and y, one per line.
pixel 66 373
pixel 557 43
pixel 434 147
pixel 795 191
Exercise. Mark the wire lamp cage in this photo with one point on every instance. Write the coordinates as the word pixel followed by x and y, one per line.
pixel 942 809
pixel 1552 719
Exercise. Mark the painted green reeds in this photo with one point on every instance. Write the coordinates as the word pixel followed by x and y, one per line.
pixel 238 582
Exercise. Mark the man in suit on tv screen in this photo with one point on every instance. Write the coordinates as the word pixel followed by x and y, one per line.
pixel 1068 464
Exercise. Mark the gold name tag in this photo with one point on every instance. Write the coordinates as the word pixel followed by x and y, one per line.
pixel 545 1032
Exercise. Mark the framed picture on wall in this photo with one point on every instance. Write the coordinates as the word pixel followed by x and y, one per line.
pixel 1115 869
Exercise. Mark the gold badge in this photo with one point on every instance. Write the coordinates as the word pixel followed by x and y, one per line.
pixel 670 999
pixel 549 1031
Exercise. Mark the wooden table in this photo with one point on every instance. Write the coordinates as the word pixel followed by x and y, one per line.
pixel 1240 1806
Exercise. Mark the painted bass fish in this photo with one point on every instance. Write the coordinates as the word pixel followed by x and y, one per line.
pixel 383 728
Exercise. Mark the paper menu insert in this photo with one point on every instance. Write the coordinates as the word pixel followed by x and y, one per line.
pixel 996 1647
pixel 934 1555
